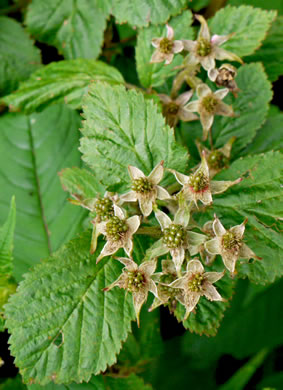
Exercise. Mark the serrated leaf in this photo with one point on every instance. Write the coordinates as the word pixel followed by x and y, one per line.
pixel 259 198
pixel 270 53
pixel 250 107
pixel 18 57
pixel 208 315
pixel 75 28
pixel 81 182
pixel 13 384
pixel 272 127
pixel 7 241
pixel 249 24
pixel 154 75
pixel 61 82
pixel 63 326
pixel 274 4
pixel 142 12
pixel 32 151
pixel 121 129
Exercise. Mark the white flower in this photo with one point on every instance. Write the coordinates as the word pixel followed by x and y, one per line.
pixel 119 232
pixel 137 280
pixel 196 283
pixel 145 189
pixel 208 105
pixel 229 244
pixel 166 47
pixel 205 50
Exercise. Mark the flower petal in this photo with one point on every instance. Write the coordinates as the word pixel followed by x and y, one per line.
pixel 213 277
pixel 187 116
pixel 189 45
pixel 192 106
pixel 128 263
pixel 184 98
pixel 206 120
pixel 180 177
pixel 195 266
pixel 170 32
pixel 180 283
pixel 205 197
pixel 208 62
pixel 211 293
pixel 221 93
pixel 178 46
pixel 157 56
pixel 162 194
pixel 178 256
pixel 224 109
pixel 213 246
pixel 196 239
pixel 168 58
pixel 204 30
pixel 157 302
pixel 129 197
pixel 212 74
pixel 118 212
pixel 120 282
pixel 133 223
pixel 217 40
pixel 182 216
pixel 203 90
pixel 145 206
pixel 128 246
pixel 109 248
pixel 247 253
pixel 191 300
pixel 218 228
pixel 156 42
pixel 164 98
pixel 94 236
pixel 168 267
pixel 135 173
pixel 152 287
pixel 148 267
pixel 229 260
pixel 139 299
pixel 217 187
pixel 163 219
pixel 239 229
pixel 221 54
pixel 157 173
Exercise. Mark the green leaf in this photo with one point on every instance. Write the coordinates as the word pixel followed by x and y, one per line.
pixel 197 5
pixel 78 181
pixel 7 241
pixel 154 75
pixel 18 57
pixel 272 127
pixel 270 52
pixel 259 198
pixel 61 82
pixel 13 384
pixel 121 129
pixel 142 12
pixel 250 107
pixel 249 24
pixel 208 315
pixel 32 151
pixel 274 4
pixel 63 326
pixel 244 374
pixel 75 28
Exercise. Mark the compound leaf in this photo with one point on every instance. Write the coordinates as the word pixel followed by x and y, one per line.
pixel 121 129
pixel 249 24
pixel 63 326
pixel 61 82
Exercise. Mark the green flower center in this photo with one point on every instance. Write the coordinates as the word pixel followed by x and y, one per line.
pixel 174 236
pixel 195 283
pixel 166 46
pixel 104 208
pixel 210 103
pixel 116 228
pixel 231 241
pixel 203 47
pixel 136 280
pixel 142 185
pixel 172 108
pixel 217 160
pixel 198 181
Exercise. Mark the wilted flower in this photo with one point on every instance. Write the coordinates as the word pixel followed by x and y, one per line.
pixel 137 280
pixel 198 186
pixel 196 283
pixel 229 244
pixel 166 47
pixel 225 77
pixel 166 295
pixel 206 50
pixel 209 104
pixel 176 237
pixel 173 110
pixel 118 231
pixel 217 159
pixel 145 189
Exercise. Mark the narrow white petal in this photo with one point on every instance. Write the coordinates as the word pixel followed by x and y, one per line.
pixel 213 277
pixel 180 283
pixel 120 282
pixel 128 246
pixel 135 173
pixel 133 223
pixel 163 219
pixel 191 300
pixel 247 253
pixel 178 46
pixel 217 187
pixel 204 30
pixel 170 32
pixel 203 90
pixel 168 58
pixel 195 266
pixel 119 212
pixel 178 256
pixel 139 299
pixel 196 238
pixel 157 173
pixel 184 98
pixel 206 120
pixel 213 246
pixel 145 206
pixel 129 197
pixel 217 40
pixel 208 62
pixel 221 93
pixel 156 42
pixel 164 98
pixel 162 194
pixel 229 260
pixel 180 177
pixel 211 293
pixel 168 267
pixel 157 56
pixel 218 228
pixel 152 288
pixel 187 116
pixel 221 54
pixel 239 229
pixel 108 249
pixel 182 216
pixel 148 267
pixel 189 45
pixel 192 106
pixel 128 263
pixel 94 236
pixel 204 197
pixel 212 74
